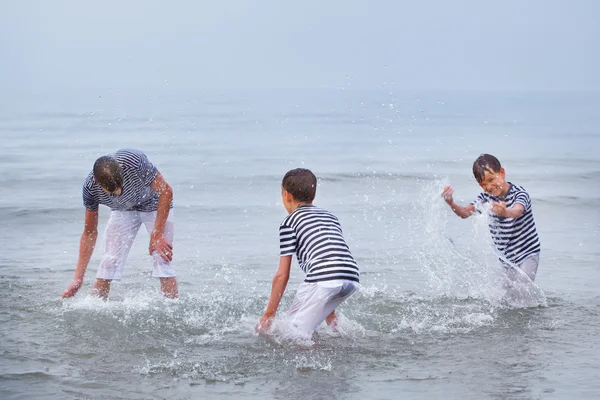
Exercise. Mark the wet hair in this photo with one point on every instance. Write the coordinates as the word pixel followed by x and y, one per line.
pixel 107 173
pixel 301 183
pixel 485 163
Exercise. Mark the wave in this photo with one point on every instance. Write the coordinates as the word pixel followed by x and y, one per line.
pixel 392 176
pixel 27 376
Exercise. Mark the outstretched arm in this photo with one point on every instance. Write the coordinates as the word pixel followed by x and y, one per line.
pixel 513 212
pixel 463 212
pixel 278 287
pixel 86 248
pixel 158 242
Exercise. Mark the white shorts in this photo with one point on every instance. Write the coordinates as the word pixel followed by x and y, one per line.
pixel 120 232
pixel 529 266
pixel 315 301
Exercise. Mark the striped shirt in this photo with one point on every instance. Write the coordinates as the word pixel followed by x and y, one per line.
pixel 315 236
pixel 138 174
pixel 515 238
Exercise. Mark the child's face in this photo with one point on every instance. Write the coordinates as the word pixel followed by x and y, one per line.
pixel 494 183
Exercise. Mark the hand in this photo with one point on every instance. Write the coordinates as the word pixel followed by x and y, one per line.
pixel 264 324
pixel 447 194
pixel 162 246
pixel 72 289
pixel 499 209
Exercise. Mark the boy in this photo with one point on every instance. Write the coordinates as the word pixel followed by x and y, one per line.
pixel 136 193
pixel 315 236
pixel 512 224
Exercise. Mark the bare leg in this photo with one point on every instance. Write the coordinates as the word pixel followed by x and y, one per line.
pixel 168 284
pixel 169 287
pixel 101 288
pixel 332 321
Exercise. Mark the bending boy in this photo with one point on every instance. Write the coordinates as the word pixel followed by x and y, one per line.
pixel 315 236
pixel 137 194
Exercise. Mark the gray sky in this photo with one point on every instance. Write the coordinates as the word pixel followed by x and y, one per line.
pixel 458 44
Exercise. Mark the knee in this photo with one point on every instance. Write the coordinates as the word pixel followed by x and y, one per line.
pixel 110 262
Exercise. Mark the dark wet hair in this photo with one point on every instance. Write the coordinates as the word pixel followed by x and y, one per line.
pixel 107 173
pixel 485 163
pixel 301 183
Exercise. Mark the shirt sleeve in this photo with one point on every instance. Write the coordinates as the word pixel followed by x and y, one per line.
pixel 479 202
pixel 523 199
pixel 146 170
pixel 90 202
pixel 287 241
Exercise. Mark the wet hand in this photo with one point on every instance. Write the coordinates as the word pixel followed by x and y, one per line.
pixel 162 246
pixel 499 209
pixel 72 289
pixel 264 324
pixel 448 194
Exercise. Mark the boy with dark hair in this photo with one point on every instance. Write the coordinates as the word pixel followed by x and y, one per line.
pixel 512 224
pixel 137 194
pixel 315 236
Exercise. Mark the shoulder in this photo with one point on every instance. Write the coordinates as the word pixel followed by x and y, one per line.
pixel 89 183
pixel 324 215
pixel 287 221
pixel 484 197
pixel 91 193
pixel 518 188
pixel 519 191
pixel 130 156
pixel 326 212
pixel 129 151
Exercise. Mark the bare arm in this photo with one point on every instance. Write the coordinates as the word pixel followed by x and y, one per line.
pixel 86 249
pixel 158 242
pixel 463 212
pixel 280 281
pixel 513 212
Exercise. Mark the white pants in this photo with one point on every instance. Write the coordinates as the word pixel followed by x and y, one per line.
pixel 120 232
pixel 529 266
pixel 315 301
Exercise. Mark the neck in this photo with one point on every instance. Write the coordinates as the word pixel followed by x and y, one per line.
pixel 505 189
pixel 296 204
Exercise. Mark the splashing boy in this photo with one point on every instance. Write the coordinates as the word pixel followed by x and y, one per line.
pixel 511 217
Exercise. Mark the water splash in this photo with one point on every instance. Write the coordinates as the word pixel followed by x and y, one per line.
pixel 470 269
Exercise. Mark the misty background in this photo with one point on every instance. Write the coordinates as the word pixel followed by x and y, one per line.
pixel 188 46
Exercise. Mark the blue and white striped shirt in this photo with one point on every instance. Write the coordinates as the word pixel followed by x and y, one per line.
pixel 137 195
pixel 515 238
pixel 315 236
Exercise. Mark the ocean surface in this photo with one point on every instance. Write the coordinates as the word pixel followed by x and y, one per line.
pixel 430 320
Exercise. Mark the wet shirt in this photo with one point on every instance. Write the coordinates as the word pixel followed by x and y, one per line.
pixel 315 236
pixel 515 238
pixel 138 174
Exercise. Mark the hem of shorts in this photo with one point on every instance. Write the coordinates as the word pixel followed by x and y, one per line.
pixel 167 276
pixel 109 279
